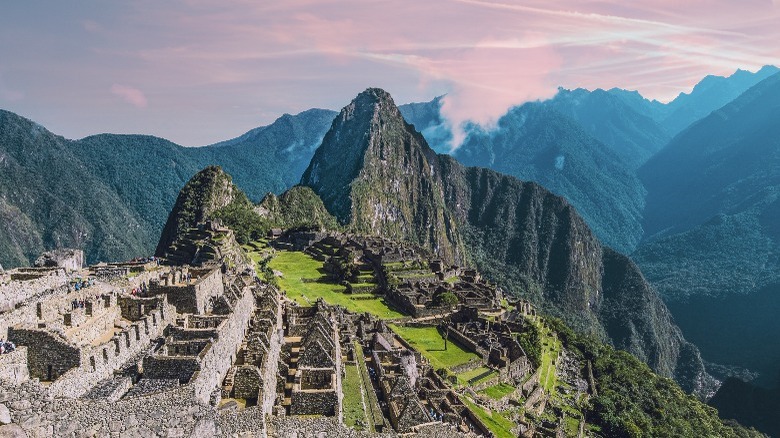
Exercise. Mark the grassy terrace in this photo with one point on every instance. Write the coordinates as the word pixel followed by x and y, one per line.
pixel 354 411
pixel 497 423
pixel 303 281
pixel 551 348
pixel 499 391
pixel 429 342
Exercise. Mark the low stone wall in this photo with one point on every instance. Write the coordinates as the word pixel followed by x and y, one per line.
pixel 314 403
pixel 218 359
pixel 24 316
pixel 13 366
pixel 181 368
pixel 49 356
pixel 467 342
pixel 271 363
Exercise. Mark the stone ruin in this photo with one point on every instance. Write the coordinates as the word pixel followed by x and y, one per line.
pixel 69 259
pixel 175 349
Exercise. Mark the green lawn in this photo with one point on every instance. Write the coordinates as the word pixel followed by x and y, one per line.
pixel 303 281
pixel 499 391
pixel 429 342
pixel 497 423
pixel 352 385
pixel 463 378
pixel 551 348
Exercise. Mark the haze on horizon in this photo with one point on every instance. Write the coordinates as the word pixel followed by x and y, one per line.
pixel 197 72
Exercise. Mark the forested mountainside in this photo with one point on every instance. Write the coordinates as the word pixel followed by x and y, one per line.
pixel 110 194
pixel 713 205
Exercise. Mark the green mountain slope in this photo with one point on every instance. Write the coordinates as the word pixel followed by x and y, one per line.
pixel 535 142
pixel 518 234
pixel 110 194
pixel 713 208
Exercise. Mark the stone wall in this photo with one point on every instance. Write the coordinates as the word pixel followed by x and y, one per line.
pixel 15 292
pixel 194 297
pixel 49 356
pixel 247 382
pixel 13 366
pixel 271 360
pixel 24 315
pixel 218 359
pixel 99 362
pixel 134 308
pixel 181 368
pixel 314 403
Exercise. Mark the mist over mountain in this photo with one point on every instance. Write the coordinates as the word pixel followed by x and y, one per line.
pixel 536 142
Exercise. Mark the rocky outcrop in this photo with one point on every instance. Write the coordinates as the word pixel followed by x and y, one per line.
pixel 297 207
pixel 70 259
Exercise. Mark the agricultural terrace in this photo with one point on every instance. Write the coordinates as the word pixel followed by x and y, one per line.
pixel 303 280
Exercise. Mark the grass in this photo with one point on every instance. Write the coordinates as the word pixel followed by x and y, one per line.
pixel 463 378
pixel 572 426
pixel 298 267
pixel 497 423
pixel 499 391
pixel 429 342
pixel 352 386
pixel 551 348
pixel 373 413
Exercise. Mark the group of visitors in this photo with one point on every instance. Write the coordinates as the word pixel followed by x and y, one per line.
pixel 151 259
pixel 81 284
pixel 141 290
pixel 6 346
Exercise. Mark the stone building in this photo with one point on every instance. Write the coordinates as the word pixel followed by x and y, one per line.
pixel 313 355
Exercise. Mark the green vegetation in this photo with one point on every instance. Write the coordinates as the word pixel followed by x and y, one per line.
pixel 445 299
pixel 551 349
pixel 497 423
pixel 298 207
pixel 303 281
pixel 531 342
pixel 498 391
pixel 463 378
pixel 430 343
pixel 352 385
pixel 633 401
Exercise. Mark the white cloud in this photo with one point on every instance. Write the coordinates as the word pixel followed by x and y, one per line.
pixel 130 95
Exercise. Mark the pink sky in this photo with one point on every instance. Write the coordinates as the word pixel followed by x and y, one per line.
pixel 197 71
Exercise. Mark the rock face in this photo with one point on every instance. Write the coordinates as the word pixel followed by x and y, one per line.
pixel 208 191
pixel 377 175
pixel 70 259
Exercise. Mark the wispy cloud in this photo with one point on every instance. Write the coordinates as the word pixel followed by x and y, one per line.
pixel 250 61
pixel 130 95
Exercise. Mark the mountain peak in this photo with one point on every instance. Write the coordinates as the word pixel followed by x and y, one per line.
pixel 377 174
pixel 206 192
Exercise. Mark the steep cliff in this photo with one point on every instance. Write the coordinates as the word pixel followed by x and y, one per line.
pixel 376 173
